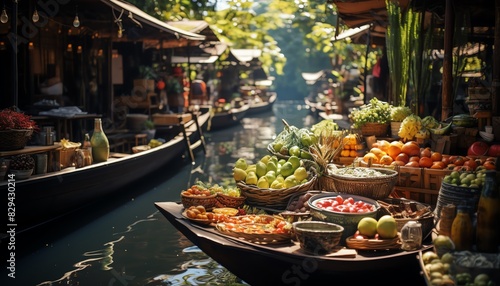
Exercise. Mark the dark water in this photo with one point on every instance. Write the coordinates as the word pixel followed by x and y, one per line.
pixel 123 240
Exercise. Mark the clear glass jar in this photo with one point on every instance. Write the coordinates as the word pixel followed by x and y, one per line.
pixel 411 236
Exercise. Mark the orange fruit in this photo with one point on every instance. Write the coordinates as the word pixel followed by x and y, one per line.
pixel 403 158
pixel 412 164
pixel 383 145
pixel 425 152
pixel 394 149
pixel 425 162
pixel 411 149
pixel 438 165
pixel 398 163
pixel 436 156
pixel 414 159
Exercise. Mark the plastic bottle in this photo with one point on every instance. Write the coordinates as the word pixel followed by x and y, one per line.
pixel 488 215
pixel 99 142
pixel 461 230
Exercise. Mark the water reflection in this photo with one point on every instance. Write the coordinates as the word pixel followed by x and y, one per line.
pixel 132 243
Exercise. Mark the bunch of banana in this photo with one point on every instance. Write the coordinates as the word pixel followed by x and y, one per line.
pixel 66 144
pixel 442 129
pixel 409 127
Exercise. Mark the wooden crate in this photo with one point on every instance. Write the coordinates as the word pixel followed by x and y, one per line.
pixel 409 184
pixel 432 183
pixel 409 177
pixel 428 189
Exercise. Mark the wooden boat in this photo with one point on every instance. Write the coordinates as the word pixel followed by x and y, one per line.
pixel 44 197
pixel 222 119
pixel 319 106
pixel 287 264
pixel 263 105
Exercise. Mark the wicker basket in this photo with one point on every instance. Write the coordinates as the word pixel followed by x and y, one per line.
pixel 208 202
pixel 377 129
pixel 273 198
pixel 373 244
pixel 229 201
pixel 261 238
pixel 14 139
pixel 376 188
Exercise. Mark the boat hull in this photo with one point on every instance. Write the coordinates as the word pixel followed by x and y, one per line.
pixel 42 198
pixel 227 119
pixel 264 106
pixel 277 265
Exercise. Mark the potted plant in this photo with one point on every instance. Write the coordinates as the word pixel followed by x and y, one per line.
pixel 398 114
pixel 372 118
pixel 22 166
pixel 15 129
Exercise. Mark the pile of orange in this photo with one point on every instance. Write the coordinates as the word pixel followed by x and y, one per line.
pixel 407 154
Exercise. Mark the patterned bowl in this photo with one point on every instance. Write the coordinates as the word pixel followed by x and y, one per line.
pixel 317 236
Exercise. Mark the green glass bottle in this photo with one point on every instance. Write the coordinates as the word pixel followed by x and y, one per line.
pixel 99 142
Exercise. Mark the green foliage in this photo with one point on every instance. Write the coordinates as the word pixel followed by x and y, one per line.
pixel 403 28
pixel 375 111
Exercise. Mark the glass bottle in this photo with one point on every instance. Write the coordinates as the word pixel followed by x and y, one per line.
pixel 99 143
pixel 87 150
pixel 488 215
pixel 461 229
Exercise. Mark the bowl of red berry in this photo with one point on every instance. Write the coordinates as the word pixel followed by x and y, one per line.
pixel 343 209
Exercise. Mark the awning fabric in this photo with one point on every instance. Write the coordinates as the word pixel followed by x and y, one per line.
pixel 311 78
pixel 246 55
pixel 143 17
pixel 351 33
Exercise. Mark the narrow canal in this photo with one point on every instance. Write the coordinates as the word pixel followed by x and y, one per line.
pixel 124 240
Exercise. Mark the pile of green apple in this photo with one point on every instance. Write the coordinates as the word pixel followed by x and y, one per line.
pixel 438 270
pixel 271 173
pixel 473 179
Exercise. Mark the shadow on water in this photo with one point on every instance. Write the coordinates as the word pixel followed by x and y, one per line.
pixel 123 240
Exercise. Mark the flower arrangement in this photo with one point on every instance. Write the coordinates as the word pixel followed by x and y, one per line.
pixel 376 111
pixel 22 162
pixel 399 113
pixel 11 119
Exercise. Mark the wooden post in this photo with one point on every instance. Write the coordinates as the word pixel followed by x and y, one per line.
pixel 447 96
pixel 496 66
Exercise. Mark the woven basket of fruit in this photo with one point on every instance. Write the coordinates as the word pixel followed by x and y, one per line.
pixel 208 202
pixel 198 195
pixel 260 229
pixel 229 201
pixel 273 198
pixel 374 183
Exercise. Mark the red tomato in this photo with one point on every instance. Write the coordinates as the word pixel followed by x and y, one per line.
pixel 339 199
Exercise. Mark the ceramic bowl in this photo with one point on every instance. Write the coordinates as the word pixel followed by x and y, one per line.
pixel 22 174
pixel 348 220
pixel 317 236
